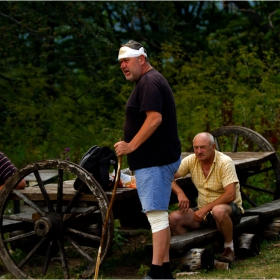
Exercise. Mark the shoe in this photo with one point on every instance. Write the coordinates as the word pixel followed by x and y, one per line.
pixel 227 256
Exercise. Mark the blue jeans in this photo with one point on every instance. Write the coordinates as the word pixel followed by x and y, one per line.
pixel 154 186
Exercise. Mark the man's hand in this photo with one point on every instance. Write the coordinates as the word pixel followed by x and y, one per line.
pixel 122 148
pixel 184 203
pixel 200 214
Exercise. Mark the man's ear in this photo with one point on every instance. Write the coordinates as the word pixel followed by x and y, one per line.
pixel 142 59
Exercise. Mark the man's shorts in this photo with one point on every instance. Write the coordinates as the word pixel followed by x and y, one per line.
pixel 235 216
pixel 154 186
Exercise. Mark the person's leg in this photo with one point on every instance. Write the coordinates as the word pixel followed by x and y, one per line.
pixel 154 190
pixel 161 244
pixel 221 214
pixel 179 220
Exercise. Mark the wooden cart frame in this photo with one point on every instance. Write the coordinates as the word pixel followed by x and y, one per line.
pixel 63 218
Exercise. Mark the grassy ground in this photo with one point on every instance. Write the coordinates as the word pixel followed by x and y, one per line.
pixel 266 265
pixel 129 260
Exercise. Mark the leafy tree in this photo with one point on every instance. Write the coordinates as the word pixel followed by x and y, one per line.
pixel 61 85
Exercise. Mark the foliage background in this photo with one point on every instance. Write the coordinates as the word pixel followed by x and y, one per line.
pixel 61 86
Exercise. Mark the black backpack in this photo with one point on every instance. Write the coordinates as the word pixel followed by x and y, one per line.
pixel 97 161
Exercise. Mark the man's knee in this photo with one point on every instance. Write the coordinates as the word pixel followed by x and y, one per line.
pixel 158 220
pixel 173 219
pixel 220 212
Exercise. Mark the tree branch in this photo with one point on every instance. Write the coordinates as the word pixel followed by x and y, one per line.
pixel 257 20
pixel 269 18
pixel 10 81
pixel 19 23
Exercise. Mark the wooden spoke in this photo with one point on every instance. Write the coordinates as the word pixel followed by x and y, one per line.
pixel 43 190
pixel 83 234
pixel 63 259
pixel 19 236
pixel 29 202
pixel 59 191
pixel 47 259
pixel 79 248
pixel 30 254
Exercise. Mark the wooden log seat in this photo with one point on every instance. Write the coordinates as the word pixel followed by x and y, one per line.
pixel 248 244
pixel 197 259
pixel 266 212
pixel 180 244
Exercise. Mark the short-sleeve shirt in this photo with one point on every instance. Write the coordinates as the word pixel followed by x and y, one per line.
pixel 152 93
pixel 221 174
pixel 7 169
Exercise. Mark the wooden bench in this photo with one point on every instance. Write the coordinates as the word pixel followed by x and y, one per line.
pixel 244 162
pixel 252 221
pixel 266 212
pixel 180 244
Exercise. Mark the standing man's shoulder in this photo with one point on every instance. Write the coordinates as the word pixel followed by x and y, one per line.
pixel 155 76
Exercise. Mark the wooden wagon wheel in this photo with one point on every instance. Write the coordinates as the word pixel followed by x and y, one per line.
pixel 259 180
pixel 61 224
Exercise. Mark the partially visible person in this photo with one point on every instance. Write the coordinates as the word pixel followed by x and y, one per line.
pixel 219 198
pixel 7 169
pixel 152 146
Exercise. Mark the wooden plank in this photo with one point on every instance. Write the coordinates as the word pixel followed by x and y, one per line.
pixel 34 193
pixel 246 223
pixel 266 212
pixel 246 159
pixel 44 174
pixel 179 244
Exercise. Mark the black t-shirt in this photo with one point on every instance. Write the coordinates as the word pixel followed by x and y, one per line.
pixel 152 93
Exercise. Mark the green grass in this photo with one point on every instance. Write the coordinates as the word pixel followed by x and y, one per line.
pixel 130 260
pixel 266 265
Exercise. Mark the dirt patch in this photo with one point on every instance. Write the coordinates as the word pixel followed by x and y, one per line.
pixel 122 262
pixel 129 259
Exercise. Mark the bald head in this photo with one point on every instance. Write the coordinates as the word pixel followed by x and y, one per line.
pixel 206 136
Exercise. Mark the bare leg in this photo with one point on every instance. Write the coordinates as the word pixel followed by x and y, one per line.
pixel 161 243
pixel 221 214
pixel 178 220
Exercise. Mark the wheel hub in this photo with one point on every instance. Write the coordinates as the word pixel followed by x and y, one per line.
pixel 51 225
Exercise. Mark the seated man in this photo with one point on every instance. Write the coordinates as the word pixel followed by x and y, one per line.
pixel 219 198
pixel 7 169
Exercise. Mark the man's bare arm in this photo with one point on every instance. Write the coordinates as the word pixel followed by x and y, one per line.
pixel 225 198
pixel 184 203
pixel 151 123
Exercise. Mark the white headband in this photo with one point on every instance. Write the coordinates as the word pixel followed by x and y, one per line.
pixel 128 52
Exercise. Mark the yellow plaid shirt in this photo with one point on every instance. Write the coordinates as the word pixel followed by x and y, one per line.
pixel 221 174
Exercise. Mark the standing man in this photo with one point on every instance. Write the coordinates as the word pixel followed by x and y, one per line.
pixel 152 146
pixel 219 198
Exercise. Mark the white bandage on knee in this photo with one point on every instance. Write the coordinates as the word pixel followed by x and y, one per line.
pixel 158 220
